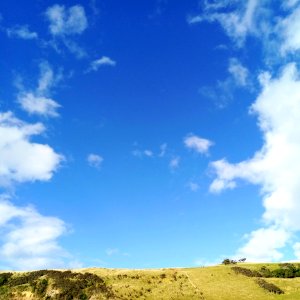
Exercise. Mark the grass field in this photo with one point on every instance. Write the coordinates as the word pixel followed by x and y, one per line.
pixel 209 283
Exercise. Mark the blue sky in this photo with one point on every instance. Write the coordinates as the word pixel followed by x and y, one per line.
pixel 143 134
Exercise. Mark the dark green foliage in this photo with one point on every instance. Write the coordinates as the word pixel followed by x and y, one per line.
pixel 4 277
pixel 270 287
pixel 228 261
pixel 265 272
pixel 69 285
pixel 246 272
pixel 285 270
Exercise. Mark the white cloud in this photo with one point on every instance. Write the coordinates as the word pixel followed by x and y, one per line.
pixel 237 23
pixel 29 240
pixel 223 91
pixel 141 153
pixel 38 105
pixel 276 166
pixel 22 32
pixel 289 29
pixel 174 162
pixel 148 153
pixel 238 71
pixel 21 159
pixel 103 61
pixel 264 244
pixel 94 160
pixel 47 78
pixel 197 143
pixel 64 24
pixel 37 102
pixel 66 21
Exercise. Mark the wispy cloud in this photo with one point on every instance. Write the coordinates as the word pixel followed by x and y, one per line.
pixel 223 91
pixel 21 32
pixel 239 72
pixel 38 102
pixel 103 61
pixel 288 28
pixel 237 23
pixel 163 150
pixel 66 21
pixel 193 186
pixel 115 251
pixel 64 24
pixel 174 163
pixel 197 143
pixel 111 251
pixel 95 160
pixel 141 153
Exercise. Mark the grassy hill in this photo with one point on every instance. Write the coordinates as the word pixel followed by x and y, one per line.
pixel 209 283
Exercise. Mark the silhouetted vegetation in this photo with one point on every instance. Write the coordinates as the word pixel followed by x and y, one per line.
pixel 228 261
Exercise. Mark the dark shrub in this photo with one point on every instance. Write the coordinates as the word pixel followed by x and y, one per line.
pixel 265 272
pixel 246 272
pixel 228 261
pixel 270 287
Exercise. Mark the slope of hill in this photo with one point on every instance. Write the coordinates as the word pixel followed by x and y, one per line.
pixel 207 283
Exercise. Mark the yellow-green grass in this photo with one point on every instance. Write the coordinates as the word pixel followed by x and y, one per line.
pixel 209 283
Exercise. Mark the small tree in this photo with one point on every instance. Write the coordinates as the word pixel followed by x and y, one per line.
pixel 226 261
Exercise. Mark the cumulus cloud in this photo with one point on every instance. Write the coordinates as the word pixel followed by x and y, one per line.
pixel 103 61
pixel 38 102
pixel 21 159
pixel 94 160
pixel 66 21
pixel 21 32
pixel 275 167
pixel 265 244
pixel 29 240
pixel 197 143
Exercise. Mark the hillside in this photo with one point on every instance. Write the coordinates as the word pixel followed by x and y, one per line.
pixel 207 283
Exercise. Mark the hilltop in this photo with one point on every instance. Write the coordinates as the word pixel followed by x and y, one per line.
pixel 241 281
